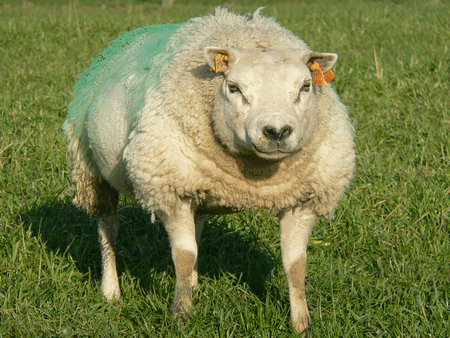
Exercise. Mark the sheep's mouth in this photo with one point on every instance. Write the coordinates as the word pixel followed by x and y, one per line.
pixel 277 154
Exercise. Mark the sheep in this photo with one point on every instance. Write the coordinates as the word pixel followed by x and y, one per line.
pixel 221 114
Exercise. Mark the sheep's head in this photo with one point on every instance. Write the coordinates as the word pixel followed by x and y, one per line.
pixel 266 104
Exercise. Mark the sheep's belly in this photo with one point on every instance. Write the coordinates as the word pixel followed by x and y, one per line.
pixel 215 210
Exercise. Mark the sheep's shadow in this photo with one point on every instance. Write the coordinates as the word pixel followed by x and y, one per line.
pixel 143 246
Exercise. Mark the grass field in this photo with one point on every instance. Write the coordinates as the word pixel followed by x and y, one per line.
pixel 381 268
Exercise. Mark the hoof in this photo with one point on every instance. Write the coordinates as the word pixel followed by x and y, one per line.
pixel 182 307
pixel 301 325
pixel 112 294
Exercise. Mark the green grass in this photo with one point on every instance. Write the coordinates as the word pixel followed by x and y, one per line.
pixel 379 269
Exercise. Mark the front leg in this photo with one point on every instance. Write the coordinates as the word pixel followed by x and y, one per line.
pixel 180 226
pixel 295 226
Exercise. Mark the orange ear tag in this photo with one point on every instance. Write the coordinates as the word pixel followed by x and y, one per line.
pixel 218 61
pixel 318 78
pixel 329 76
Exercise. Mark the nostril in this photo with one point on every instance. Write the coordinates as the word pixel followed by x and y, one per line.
pixel 285 132
pixel 272 133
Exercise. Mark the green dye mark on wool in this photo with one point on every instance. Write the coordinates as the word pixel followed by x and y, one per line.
pixel 134 61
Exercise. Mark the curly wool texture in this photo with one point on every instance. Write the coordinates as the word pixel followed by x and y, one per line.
pixel 167 148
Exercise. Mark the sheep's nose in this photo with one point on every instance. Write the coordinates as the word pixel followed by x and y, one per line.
pixel 276 134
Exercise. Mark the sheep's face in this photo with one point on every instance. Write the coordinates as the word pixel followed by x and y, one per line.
pixel 266 105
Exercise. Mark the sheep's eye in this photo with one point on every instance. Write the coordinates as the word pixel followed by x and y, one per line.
pixel 306 86
pixel 233 88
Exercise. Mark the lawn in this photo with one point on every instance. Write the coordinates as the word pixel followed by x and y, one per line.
pixel 380 268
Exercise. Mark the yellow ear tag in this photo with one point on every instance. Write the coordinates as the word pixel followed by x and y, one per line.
pixel 218 61
pixel 318 78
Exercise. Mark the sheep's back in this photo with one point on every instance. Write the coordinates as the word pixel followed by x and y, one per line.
pixel 134 60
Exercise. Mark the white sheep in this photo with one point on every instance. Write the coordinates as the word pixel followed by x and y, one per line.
pixel 213 116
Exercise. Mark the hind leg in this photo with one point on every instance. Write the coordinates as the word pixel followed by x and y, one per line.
pixel 108 225
pixel 199 224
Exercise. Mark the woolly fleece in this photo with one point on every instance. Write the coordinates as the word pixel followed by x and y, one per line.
pixel 143 120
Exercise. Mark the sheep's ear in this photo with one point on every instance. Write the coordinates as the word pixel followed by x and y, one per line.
pixel 219 59
pixel 325 60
